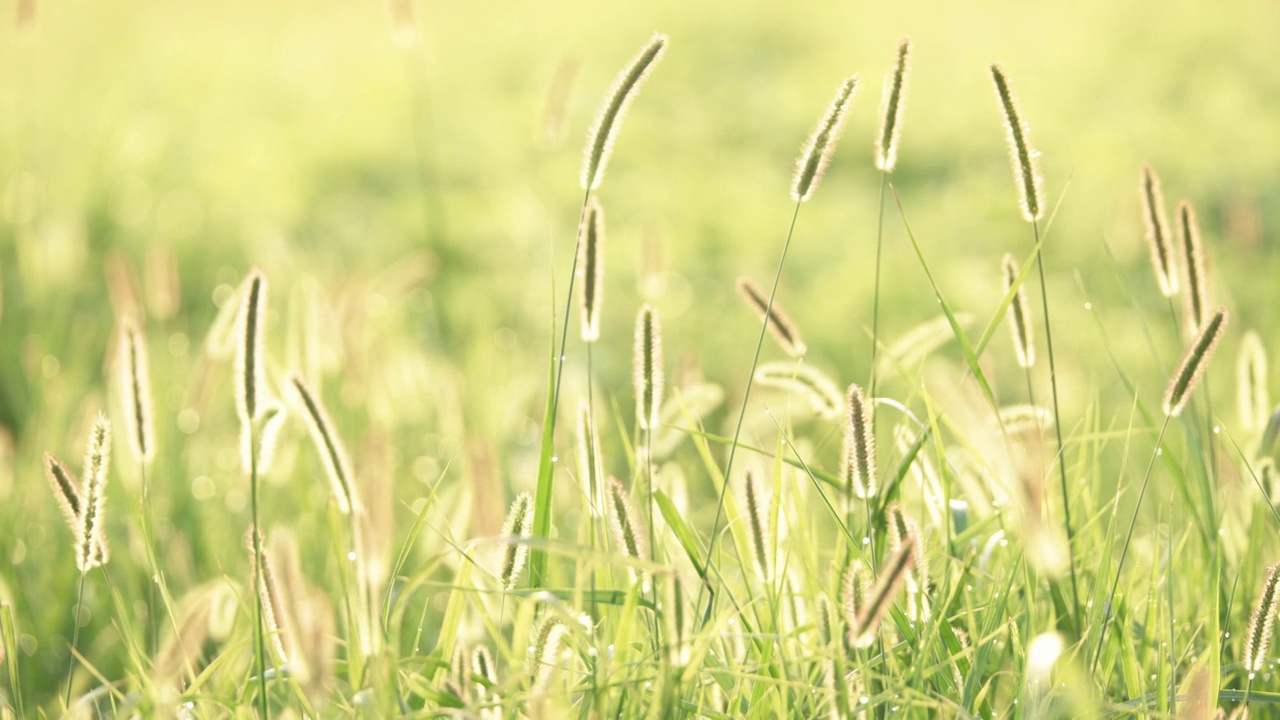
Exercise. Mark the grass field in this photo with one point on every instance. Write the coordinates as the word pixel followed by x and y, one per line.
pixel 909 522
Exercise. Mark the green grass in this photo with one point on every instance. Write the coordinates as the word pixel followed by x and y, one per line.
pixel 416 218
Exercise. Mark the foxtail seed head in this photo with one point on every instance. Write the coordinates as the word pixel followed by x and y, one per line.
pixel 460 672
pixel 274 609
pixel 482 664
pixel 1258 639
pixel 893 574
pixel 329 446
pixel 854 585
pixel 647 365
pixel 626 528
pixel 135 386
pixel 605 128
pixel 1026 161
pixel 589 465
pixel 65 490
pixel 827 623
pixel 591 268
pixel 770 312
pixel 1157 230
pixel 859 446
pixel 1019 315
pixel 250 379
pixel 519 524
pixel 1183 382
pixel 91 540
pixel 1193 267
pixel 892 100
pixel 757 522
pixel 548 642
pixel 900 528
pixel 816 154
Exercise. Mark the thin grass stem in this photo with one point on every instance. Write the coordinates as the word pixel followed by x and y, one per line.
pixel 75 640
pixel 1124 549
pixel 1057 428
pixel 742 414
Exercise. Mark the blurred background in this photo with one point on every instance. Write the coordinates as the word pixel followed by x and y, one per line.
pixel 406 174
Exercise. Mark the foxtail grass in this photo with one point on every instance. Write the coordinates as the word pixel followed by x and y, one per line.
pixel 649 385
pixel 544 655
pixel 135 386
pixel 902 527
pixel 515 552
pixel 274 609
pixel 1181 385
pixel 65 490
pixel 1261 623
pixel 892 103
pixel 250 396
pixel 604 130
pixel 483 667
pixel 815 156
pixel 250 378
pixel 600 141
pixel 854 586
pixel 1193 271
pixel 1159 240
pixel 92 549
pixel 1030 184
pixel 627 532
pixel 1024 158
pixel 866 623
pixel 859 455
pixel 1193 365
pixel 135 382
pixel 647 368
pixel 333 455
pixel 757 523
pixel 591 269
pixel 784 331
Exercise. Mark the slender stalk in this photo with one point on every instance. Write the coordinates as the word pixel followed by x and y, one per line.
pixel 75 639
pixel 875 302
pixel 1248 688
pixel 1057 427
pixel 147 537
pixel 1124 550
pixel 258 633
pixel 592 505
pixel 875 347
pixel 1173 662
pixel 742 414
pixel 653 544
pixel 568 310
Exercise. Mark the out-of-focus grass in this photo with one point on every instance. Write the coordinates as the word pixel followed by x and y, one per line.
pixel 410 195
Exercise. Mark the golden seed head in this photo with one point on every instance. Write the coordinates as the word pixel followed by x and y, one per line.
pixel 647 367
pixel 892 101
pixel 1025 160
pixel 815 155
pixel 604 130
